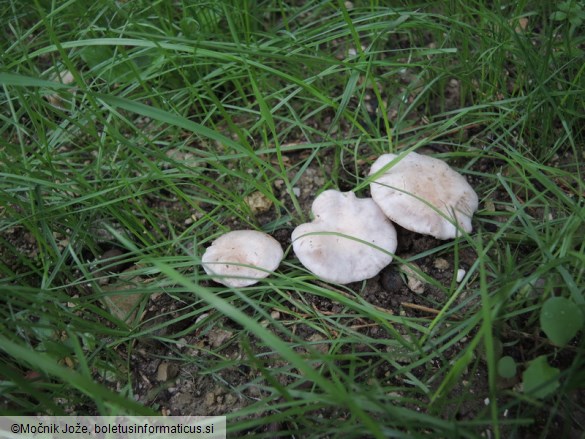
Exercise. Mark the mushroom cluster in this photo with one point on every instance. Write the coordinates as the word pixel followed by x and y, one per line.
pixel 352 239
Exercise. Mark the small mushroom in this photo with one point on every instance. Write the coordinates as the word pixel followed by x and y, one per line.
pixel 424 195
pixel 242 257
pixel 349 240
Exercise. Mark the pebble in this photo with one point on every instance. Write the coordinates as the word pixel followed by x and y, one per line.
pixel 209 399
pixel 414 281
pixel 441 264
pixel 201 317
pixel 258 202
pixel 460 274
pixel 166 371
pixel 217 337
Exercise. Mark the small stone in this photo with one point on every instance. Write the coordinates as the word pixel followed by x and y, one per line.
pixel 460 274
pixel 217 337
pixel 254 391
pixel 258 202
pixel 123 306
pixel 489 205
pixel 201 317
pixel 166 371
pixel 209 399
pixel 414 282
pixel 184 157
pixel 441 264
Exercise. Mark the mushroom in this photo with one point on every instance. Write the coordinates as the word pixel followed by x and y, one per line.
pixel 242 257
pixel 424 195
pixel 349 240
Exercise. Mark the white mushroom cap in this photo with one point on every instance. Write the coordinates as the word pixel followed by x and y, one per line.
pixel 337 258
pixel 400 192
pixel 231 258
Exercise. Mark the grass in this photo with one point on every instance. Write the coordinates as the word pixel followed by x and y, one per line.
pixel 259 96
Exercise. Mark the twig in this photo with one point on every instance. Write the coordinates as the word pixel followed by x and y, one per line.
pixel 425 309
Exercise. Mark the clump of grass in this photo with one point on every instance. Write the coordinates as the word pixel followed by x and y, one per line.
pixel 177 113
